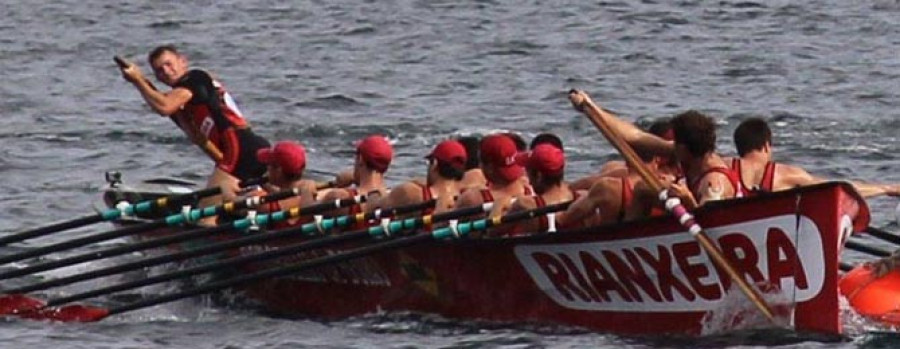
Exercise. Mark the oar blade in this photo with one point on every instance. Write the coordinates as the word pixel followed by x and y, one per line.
pixel 69 313
pixel 18 303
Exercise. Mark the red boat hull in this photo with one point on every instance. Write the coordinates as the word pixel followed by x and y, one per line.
pixel 641 277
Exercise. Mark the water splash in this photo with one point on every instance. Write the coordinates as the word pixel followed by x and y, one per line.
pixel 737 313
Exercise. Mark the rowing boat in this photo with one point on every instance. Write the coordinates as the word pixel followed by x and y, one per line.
pixel 646 276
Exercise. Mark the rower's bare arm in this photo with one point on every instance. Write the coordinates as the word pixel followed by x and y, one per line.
pixel 868 190
pixel 633 135
pixel 521 203
pixel 793 176
pixel 164 103
pixel 405 194
pixel 681 191
pixel 344 178
pixel 584 207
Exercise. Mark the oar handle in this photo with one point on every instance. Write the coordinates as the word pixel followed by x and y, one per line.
pixel 120 61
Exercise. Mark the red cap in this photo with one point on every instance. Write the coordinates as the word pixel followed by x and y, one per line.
pixel 450 152
pixel 499 151
pixel 376 152
pixel 544 158
pixel 290 156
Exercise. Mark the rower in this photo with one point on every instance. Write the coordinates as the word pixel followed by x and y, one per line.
pixel 285 162
pixel 446 165
pixel 707 175
pixel 759 173
pixel 617 198
pixel 505 177
pixel 667 165
pixel 545 165
pixel 473 177
pixel 373 156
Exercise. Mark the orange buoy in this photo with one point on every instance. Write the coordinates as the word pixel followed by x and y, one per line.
pixel 871 296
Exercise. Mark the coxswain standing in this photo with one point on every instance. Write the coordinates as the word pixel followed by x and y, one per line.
pixel 207 114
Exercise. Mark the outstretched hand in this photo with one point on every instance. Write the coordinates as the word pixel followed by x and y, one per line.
pixel 578 99
pixel 130 71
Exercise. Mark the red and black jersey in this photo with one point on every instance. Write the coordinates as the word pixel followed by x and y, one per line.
pixel 215 115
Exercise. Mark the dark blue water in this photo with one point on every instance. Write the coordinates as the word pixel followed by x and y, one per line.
pixel 329 72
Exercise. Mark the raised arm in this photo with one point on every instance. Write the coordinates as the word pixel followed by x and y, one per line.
pixel 634 136
pixel 793 176
pixel 164 103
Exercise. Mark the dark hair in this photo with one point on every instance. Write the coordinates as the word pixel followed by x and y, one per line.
pixel 660 127
pixel 545 179
pixel 546 138
pixel 293 177
pixel 520 142
pixel 447 170
pixel 159 50
pixel 473 149
pixel 752 134
pixel 695 131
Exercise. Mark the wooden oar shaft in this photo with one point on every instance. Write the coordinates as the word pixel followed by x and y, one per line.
pixel 594 114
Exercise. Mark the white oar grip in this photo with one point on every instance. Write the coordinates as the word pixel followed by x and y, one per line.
pixel 253 201
pixel 251 216
pixel 551 222
pixel 487 206
pixel 454 227
pixel 123 207
pixel 672 203
pixel 186 213
pixel 318 221
pixel 695 229
pixel 386 226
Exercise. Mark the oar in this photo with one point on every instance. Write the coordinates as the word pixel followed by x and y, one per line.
pixel 884 235
pixel 239 225
pixel 845 267
pixel 17 303
pixel 860 247
pixel 586 106
pixel 7 301
pixel 187 217
pixel 85 313
pixel 110 214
